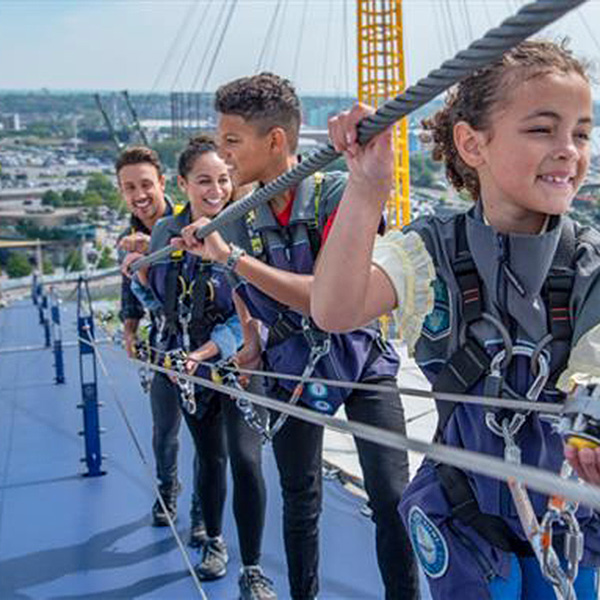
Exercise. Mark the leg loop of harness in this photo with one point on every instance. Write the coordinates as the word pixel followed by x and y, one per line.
pixel 320 345
pixel 225 372
pixel 558 512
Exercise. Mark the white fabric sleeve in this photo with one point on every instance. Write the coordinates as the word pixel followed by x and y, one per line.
pixel 404 258
pixel 583 367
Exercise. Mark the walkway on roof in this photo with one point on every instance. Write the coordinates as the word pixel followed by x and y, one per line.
pixel 66 536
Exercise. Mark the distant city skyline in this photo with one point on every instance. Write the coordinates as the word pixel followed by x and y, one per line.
pixel 168 45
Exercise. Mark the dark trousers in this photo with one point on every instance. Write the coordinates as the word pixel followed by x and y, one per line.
pixel 298 448
pixel 166 420
pixel 222 431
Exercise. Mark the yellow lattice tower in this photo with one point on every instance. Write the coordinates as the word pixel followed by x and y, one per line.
pixel 381 75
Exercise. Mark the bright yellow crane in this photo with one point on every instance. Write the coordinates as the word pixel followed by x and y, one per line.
pixel 381 75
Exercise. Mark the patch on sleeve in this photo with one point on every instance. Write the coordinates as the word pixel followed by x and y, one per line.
pixel 429 544
pixel 437 322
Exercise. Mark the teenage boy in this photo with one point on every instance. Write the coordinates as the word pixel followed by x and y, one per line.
pixel 258 128
pixel 142 187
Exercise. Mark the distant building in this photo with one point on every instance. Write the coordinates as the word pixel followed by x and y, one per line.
pixel 11 122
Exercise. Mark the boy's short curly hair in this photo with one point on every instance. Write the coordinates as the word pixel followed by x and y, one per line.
pixel 265 100
pixel 135 155
pixel 475 98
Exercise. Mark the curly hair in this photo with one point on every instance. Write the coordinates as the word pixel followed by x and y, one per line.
pixel 265 100
pixel 197 146
pixel 475 98
pixel 136 155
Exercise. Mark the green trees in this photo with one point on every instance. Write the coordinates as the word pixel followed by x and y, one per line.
pixel 106 260
pixel 18 265
pixel 52 198
pixel 74 262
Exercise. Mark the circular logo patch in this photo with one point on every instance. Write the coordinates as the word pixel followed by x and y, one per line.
pixel 318 390
pixel 429 544
pixel 322 405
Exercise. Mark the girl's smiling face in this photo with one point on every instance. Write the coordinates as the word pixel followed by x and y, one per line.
pixel 534 156
pixel 207 185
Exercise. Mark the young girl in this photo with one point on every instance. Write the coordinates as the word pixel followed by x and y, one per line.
pixel 200 319
pixel 499 301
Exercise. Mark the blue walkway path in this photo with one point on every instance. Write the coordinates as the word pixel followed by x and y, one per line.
pixel 66 536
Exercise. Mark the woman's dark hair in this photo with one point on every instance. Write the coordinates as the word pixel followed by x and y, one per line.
pixel 197 146
pixel 474 99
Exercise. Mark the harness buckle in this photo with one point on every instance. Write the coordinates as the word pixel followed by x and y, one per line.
pixel 226 372
pixel 177 359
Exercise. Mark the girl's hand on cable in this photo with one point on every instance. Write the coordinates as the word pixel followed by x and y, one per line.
pixel 371 165
pixel 213 247
pixel 585 462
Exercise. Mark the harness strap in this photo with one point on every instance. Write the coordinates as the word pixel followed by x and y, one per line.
pixel 198 301
pixel 283 329
pixel 171 301
pixel 464 505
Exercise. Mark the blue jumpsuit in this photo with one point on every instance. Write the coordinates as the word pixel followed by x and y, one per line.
pixel 361 355
pixel 513 271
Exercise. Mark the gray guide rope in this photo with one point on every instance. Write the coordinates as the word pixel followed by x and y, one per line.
pixel 532 477
pixel 551 408
pixel 530 19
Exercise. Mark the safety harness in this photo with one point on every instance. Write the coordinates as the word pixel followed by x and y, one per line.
pixel 286 325
pixel 467 366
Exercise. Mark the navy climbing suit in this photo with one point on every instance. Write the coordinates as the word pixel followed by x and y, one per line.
pixel 185 282
pixel 361 355
pixel 513 274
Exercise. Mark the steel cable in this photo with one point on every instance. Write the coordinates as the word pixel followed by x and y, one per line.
pixel 533 477
pixel 530 19
pixel 550 408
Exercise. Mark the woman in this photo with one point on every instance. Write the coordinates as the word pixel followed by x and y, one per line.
pixel 200 322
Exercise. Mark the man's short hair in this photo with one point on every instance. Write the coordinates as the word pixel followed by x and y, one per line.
pixel 136 155
pixel 265 100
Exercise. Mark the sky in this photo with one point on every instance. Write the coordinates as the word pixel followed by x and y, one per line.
pixel 169 45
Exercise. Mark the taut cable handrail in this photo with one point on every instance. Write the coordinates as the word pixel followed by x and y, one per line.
pixel 532 477
pixel 530 19
pixel 550 408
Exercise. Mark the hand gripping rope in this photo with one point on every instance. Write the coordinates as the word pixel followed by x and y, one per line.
pixel 530 19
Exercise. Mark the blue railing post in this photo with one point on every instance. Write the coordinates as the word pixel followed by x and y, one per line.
pixel 34 288
pixel 59 364
pixel 89 381
pixel 45 316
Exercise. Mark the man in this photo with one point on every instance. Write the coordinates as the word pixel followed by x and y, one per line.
pixel 259 122
pixel 142 186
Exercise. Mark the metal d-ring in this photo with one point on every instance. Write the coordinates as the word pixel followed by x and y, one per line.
pixel 541 372
pixel 506 339
pixel 538 350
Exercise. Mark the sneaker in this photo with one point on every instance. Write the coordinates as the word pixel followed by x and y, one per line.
pixel 255 585
pixel 214 560
pixel 198 535
pixel 169 496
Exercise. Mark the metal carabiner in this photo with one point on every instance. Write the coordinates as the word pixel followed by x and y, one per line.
pixel 542 370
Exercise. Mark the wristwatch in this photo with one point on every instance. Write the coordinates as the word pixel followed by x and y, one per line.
pixel 234 256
